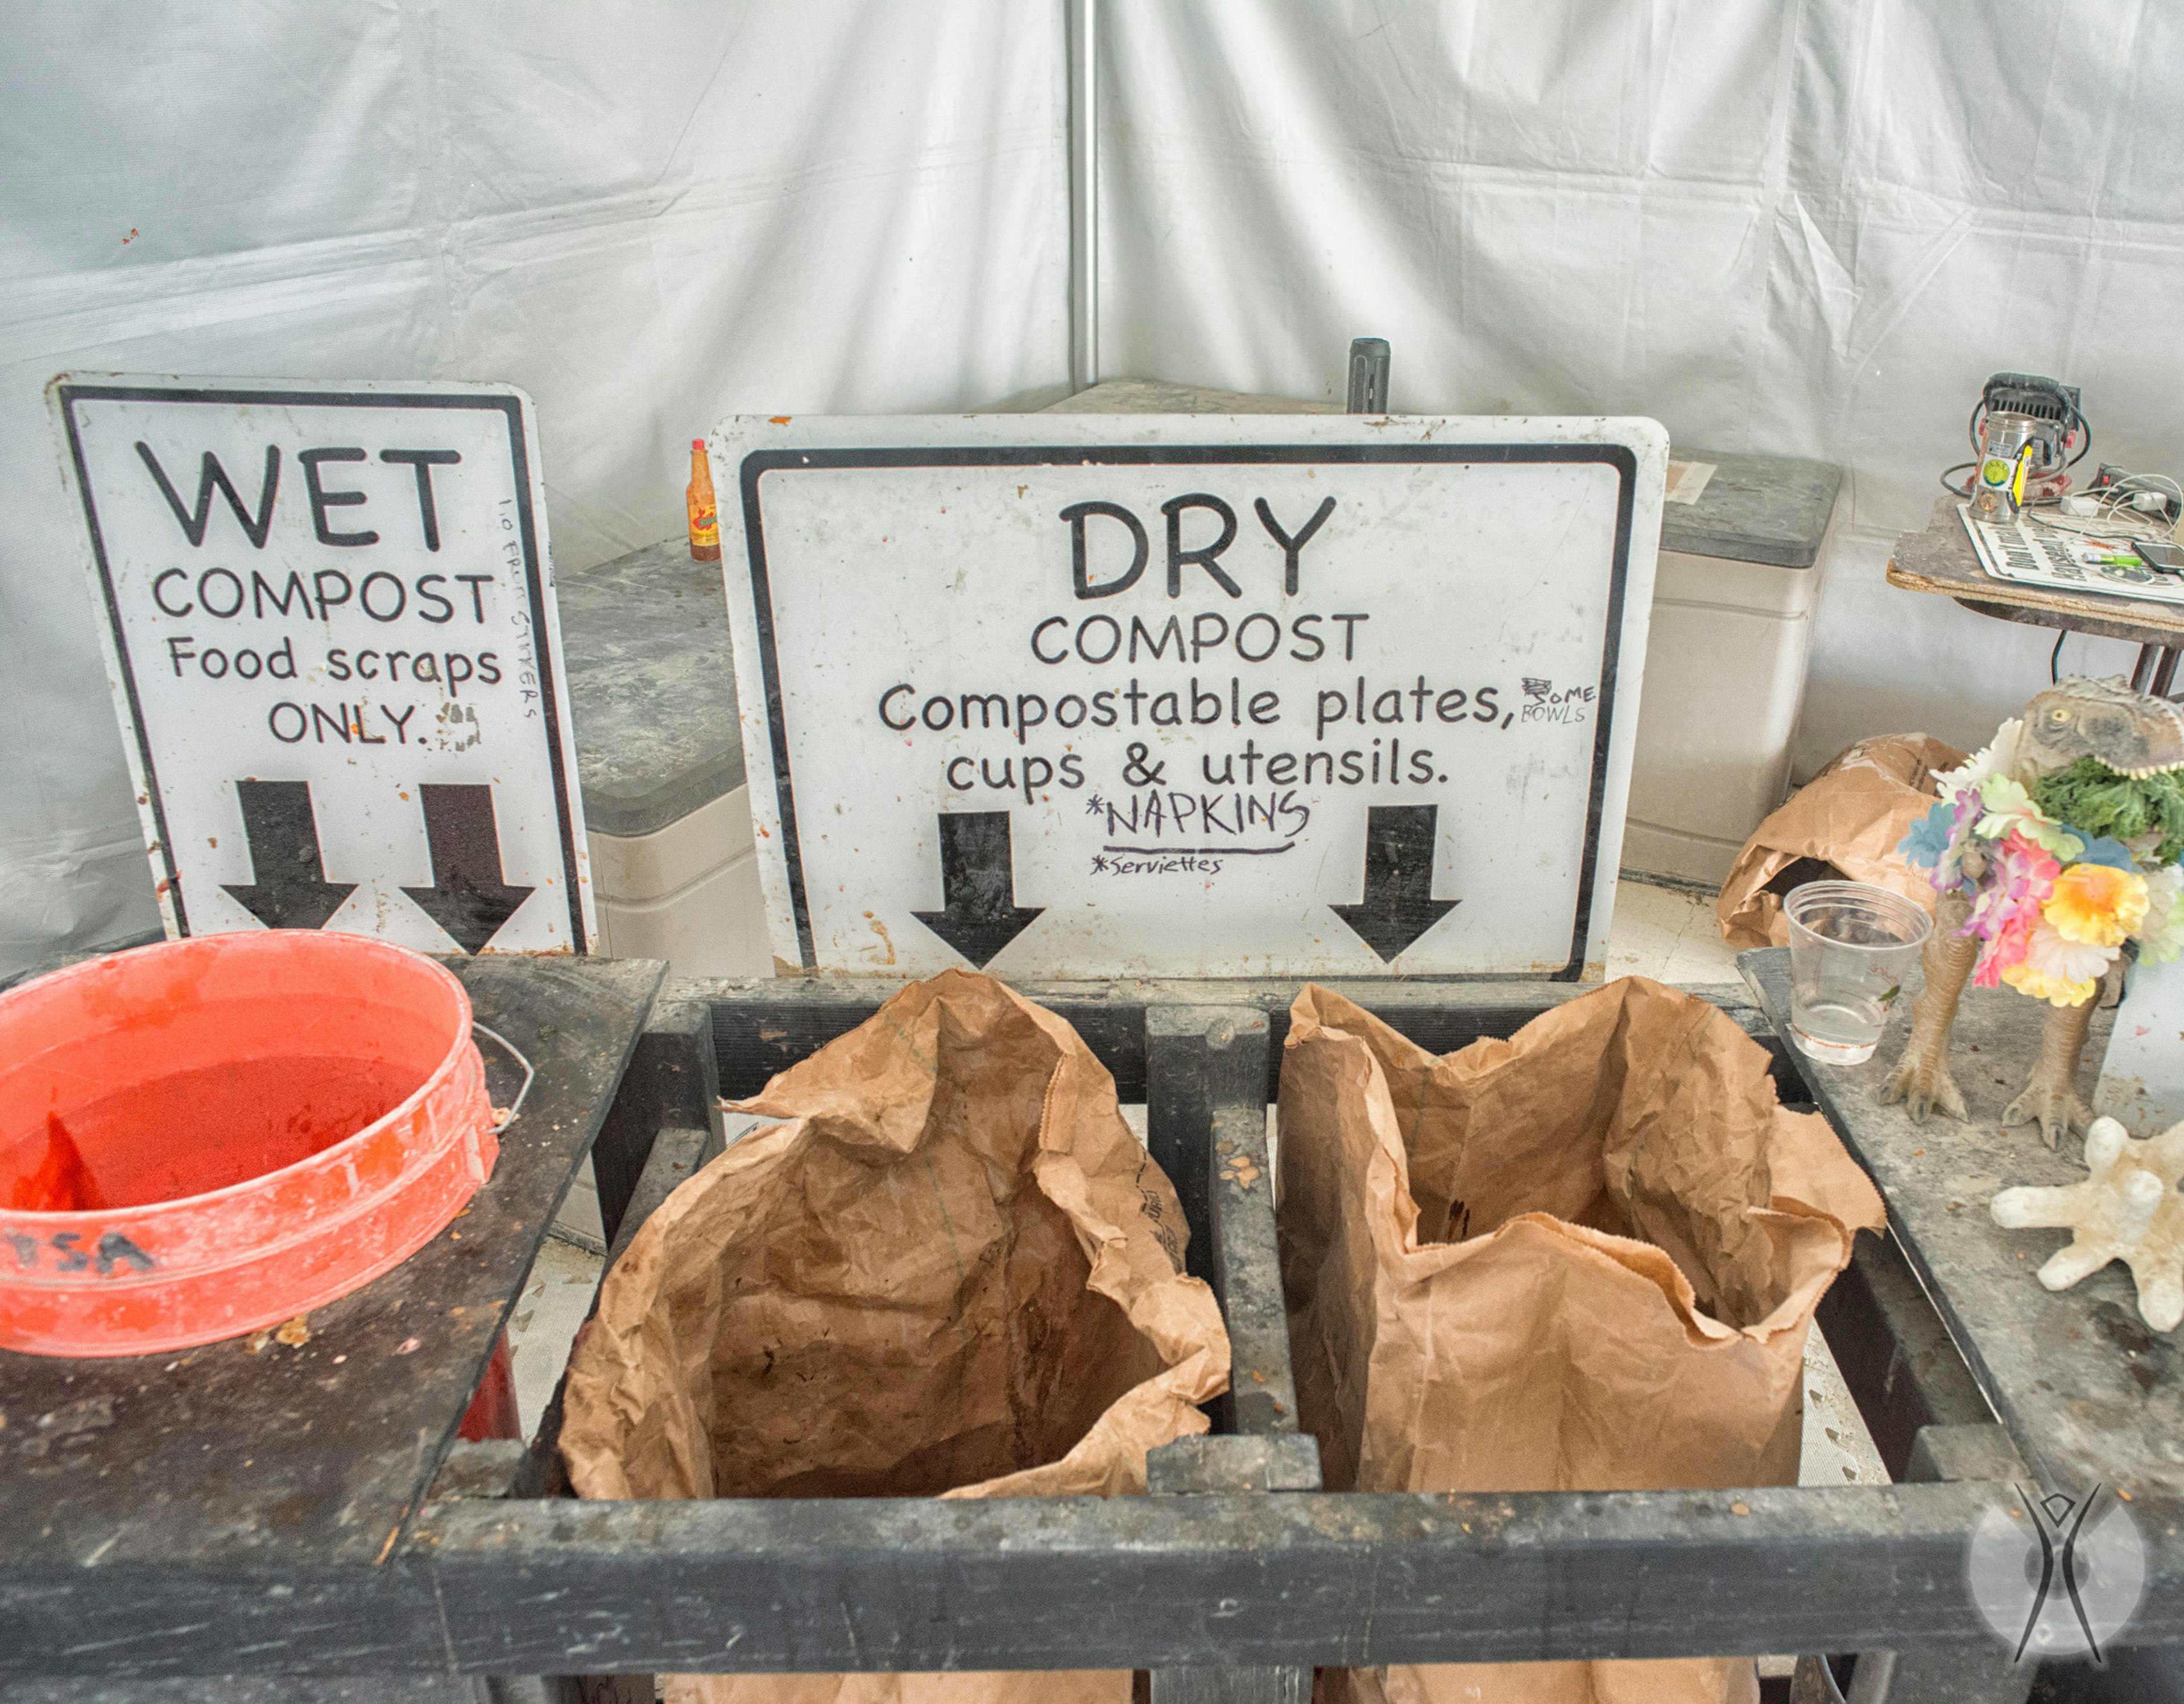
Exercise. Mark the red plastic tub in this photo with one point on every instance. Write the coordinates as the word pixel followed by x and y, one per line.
pixel 211 1135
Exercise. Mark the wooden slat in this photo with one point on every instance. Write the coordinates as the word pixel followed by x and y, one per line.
pixel 1212 1581
pixel 1896 1355
pixel 765 1026
pixel 673 1080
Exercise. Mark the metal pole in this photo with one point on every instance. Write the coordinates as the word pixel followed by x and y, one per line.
pixel 1368 376
pixel 1082 27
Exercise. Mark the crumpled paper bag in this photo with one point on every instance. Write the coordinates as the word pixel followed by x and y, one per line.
pixel 1850 816
pixel 1585 1258
pixel 955 1272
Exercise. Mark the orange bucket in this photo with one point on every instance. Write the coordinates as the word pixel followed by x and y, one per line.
pixel 211 1135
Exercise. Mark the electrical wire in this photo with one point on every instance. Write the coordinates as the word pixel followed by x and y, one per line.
pixel 2130 485
pixel 2114 517
pixel 2055 658
pixel 2127 528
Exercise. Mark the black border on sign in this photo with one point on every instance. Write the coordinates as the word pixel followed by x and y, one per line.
pixel 520 465
pixel 760 463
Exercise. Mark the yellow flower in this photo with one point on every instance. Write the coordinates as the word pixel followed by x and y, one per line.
pixel 2039 986
pixel 2097 904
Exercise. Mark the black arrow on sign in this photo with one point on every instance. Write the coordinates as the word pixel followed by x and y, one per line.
pixel 292 891
pixel 1399 868
pixel 979 886
pixel 467 896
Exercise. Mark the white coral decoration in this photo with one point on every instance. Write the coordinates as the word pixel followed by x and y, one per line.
pixel 1998 758
pixel 2128 1210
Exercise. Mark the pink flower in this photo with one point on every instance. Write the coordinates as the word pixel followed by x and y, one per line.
pixel 2006 950
pixel 2019 877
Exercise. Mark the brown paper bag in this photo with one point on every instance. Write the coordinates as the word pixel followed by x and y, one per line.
pixel 1848 817
pixel 955 1272
pixel 1585 1258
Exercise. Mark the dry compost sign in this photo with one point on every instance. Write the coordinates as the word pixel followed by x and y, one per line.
pixel 1194 696
pixel 331 636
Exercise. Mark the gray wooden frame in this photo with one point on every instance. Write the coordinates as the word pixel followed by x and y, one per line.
pixel 1233 1579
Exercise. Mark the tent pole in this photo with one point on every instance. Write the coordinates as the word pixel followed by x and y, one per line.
pixel 1082 27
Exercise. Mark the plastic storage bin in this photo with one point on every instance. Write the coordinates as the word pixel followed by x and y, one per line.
pixel 660 755
pixel 1733 602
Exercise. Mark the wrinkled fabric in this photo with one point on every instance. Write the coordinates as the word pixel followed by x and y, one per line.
pixel 954 1272
pixel 1786 229
pixel 1584 1258
pixel 647 217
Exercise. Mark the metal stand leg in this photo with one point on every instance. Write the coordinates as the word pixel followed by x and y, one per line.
pixel 1979 1674
pixel 1206 1115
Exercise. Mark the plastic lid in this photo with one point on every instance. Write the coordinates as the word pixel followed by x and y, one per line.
pixel 1771 509
pixel 645 638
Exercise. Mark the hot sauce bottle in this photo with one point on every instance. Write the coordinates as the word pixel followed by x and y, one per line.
pixel 704 521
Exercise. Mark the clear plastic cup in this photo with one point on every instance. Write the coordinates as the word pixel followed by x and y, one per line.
pixel 1851 946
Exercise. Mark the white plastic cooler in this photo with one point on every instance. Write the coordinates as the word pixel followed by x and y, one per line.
pixel 1733 602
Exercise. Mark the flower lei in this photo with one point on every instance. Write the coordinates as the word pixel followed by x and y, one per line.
pixel 2052 904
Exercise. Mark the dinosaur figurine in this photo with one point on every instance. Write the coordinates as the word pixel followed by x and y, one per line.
pixel 2048 851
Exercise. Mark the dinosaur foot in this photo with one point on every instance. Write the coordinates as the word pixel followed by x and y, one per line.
pixel 1922 1083
pixel 2050 1100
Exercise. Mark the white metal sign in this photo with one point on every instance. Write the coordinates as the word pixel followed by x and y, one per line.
pixel 330 635
pixel 1191 695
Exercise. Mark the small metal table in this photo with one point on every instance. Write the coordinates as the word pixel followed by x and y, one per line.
pixel 1942 559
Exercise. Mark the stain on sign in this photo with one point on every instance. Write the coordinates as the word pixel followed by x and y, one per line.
pixel 1194 696
pixel 330 635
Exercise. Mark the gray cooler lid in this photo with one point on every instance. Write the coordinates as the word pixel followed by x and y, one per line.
pixel 645 641
pixel 1755 508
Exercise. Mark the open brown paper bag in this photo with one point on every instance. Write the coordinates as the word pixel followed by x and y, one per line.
pixel 955 1272
pixel 1585 1258
pixel 1849 817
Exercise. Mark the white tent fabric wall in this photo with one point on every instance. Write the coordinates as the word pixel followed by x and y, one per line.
pixel 1807 229
pixel 1797 228
pixel 649 216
